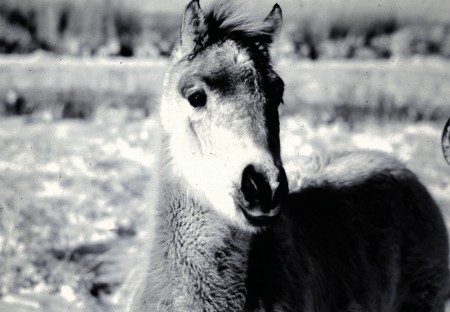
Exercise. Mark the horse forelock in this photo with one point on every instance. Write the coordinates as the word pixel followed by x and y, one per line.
pixel 221 67
pixel 227 20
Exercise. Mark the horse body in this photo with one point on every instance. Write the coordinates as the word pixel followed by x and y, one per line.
pixel 330 250
pixel 369 240
pixel 360 234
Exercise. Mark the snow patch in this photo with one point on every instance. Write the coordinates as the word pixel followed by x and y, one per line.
pixel 67 293
pixel 21 301
pixel 365 141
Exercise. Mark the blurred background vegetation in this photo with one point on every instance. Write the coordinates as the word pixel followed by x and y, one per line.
pixel 314 29
pixel 84 27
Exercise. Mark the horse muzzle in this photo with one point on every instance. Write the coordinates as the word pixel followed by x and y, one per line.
pixel 262 195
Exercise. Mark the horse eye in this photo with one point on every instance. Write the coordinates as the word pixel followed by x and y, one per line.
pixel 197 99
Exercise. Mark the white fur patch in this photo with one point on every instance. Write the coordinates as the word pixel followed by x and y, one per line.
pixel 214 174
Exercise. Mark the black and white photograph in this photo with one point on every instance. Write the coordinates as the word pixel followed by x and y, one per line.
pixel 224 155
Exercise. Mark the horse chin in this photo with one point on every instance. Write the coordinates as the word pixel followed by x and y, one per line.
pixel 256 224
pixel 248 223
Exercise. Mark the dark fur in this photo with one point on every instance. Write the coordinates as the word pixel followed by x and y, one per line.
pixel 376 245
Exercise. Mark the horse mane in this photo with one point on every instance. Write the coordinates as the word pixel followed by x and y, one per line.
pixel 227 20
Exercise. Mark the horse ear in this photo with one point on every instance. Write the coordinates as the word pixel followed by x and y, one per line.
pixel 275 20
pixel 193 26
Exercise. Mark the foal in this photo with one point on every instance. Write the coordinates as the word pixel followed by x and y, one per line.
pixel 362 234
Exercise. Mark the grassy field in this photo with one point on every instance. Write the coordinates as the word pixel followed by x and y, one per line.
pixel 69 191
pixel 411 90
pixel 74 192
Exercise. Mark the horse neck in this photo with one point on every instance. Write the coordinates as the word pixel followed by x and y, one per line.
pixel 205 259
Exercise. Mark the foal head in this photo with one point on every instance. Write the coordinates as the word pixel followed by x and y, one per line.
pixel 220 111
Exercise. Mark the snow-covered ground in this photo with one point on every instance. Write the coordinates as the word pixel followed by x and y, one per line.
pixel 66 184
pixel 69 190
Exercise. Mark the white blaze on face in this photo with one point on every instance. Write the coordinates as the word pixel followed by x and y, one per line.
pixel 210 147
pixel 214 168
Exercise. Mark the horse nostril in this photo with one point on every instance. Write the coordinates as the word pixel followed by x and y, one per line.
pixel 262 197
pixel 254 186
